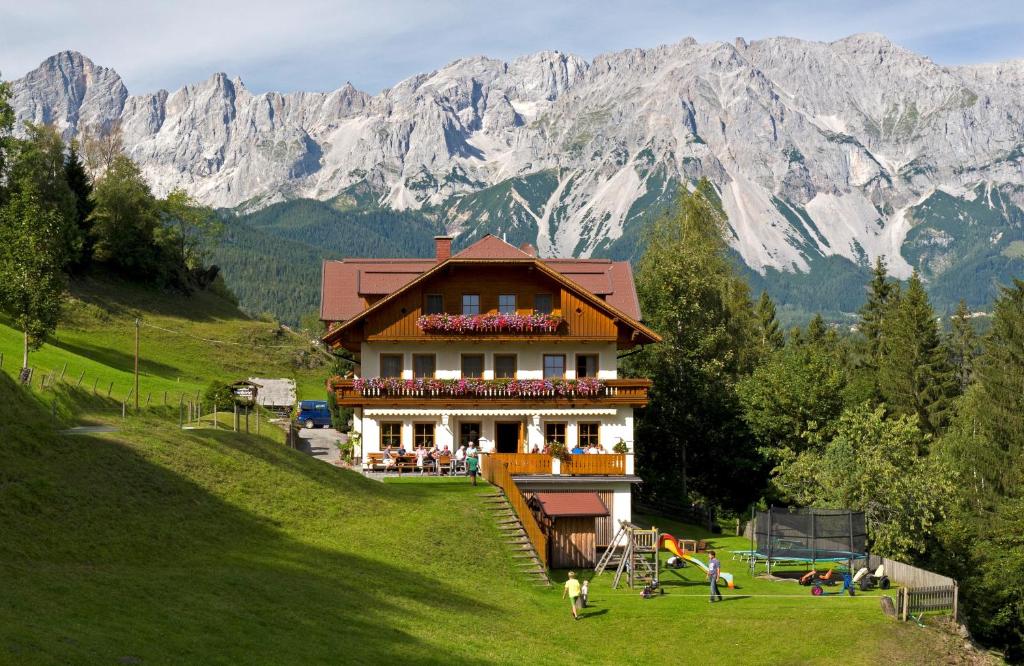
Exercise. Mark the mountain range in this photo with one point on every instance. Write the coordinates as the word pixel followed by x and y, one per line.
pixel 822 154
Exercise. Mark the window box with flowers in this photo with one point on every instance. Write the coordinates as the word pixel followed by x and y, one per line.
pixel 489 323
pixel 481 388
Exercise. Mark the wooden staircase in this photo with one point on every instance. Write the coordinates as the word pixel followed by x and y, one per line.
pixel 516 538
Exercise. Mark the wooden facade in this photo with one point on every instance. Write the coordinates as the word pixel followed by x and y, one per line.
pixel 395 320
pixel 573 543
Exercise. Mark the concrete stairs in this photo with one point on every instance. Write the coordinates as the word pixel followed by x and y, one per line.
pixel 516 539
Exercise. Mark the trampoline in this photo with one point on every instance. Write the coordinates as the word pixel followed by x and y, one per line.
pixel 807 536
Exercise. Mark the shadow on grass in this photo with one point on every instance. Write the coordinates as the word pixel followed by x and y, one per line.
pixel 120 360
pixel 110 553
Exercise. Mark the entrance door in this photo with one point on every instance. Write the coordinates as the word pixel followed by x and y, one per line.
pixel 507 436
pixel 468 431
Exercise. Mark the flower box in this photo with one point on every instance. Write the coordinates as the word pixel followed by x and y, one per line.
pixel 485 388
pixel 489 323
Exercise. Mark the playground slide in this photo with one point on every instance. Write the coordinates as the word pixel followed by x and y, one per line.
pixel 669 543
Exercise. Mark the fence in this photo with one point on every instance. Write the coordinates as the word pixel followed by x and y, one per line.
pixel 523 463
pixel 909 576
pixel 922 590
pixel 913 600
pixel 496 472
pixel 612 464
pixel 694 515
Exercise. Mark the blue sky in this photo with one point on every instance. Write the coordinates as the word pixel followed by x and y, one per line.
pixel 320 44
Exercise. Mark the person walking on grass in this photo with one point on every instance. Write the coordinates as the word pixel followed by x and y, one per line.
pixel 714 568
pixel 472 467
pixel 572 588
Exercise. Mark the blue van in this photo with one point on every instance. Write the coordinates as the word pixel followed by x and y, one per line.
pixel 313 413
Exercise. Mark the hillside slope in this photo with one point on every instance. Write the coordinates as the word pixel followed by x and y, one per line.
pixel 185 343
pixel 155 545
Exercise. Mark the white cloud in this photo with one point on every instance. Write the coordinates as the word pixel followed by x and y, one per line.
pixel 319 44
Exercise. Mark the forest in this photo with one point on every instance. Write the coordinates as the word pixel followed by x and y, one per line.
pixel 917 421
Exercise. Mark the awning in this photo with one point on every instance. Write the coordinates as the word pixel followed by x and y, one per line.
pixel 561 505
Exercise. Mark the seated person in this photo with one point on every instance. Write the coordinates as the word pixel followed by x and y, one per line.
pixel 401 450
pixel 421 454
pixel 389 457
pixel 460 455
pixel 593 449
pixel 576 450
pixel 546 451
pixel 535 449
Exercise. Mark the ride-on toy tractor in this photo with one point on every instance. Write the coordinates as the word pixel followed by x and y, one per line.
pixel 867 580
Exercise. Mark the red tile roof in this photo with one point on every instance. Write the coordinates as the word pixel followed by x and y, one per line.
pixel 347 283
pixel 492 247
pixel 564 505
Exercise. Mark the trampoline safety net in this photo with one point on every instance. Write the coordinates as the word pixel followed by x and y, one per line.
pixel 810 534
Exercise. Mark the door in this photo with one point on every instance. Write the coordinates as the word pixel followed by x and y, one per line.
pixel 573 543
pixel 507 436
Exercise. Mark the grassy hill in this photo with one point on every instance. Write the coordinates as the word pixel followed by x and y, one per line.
pixel 154 545
pixel 185 342
pixel 157 545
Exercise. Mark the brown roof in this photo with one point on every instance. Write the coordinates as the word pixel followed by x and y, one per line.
pixel 492 247
pixel 347 283
pixel 563 505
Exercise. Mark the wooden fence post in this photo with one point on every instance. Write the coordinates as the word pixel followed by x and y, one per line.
pixel 62 371
pixel 906 603
pixel 110 389
pixel 80 378
pixel 123 411
pixel 94 383
pixel 165 398
pixel 1 359
pixel 956 602
pixel 149 396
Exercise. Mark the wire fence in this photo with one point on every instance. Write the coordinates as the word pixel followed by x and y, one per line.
pixel 73 389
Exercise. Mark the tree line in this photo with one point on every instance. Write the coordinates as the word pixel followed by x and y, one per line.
pixel 918 424
pixel 67 209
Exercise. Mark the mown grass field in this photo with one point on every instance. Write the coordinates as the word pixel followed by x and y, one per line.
pixel 156 545
pixel 185 343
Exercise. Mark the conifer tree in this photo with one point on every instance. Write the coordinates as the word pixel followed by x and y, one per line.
pixel 691 295
pixel 963 346
pixel 768 325
pixel 881 294
pixel 816 330
pixel 914 375
pixel 80 183
pixel 1001 377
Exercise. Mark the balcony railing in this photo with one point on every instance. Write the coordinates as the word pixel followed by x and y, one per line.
pixel 609 464
pixel 600 464
pixel 375 391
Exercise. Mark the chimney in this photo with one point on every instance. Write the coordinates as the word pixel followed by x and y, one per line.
pixel 528 249
pixel 442 247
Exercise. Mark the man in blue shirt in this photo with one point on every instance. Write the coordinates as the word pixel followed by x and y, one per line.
pixel 714 568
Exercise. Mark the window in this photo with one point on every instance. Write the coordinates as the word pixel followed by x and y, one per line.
pixel 507 303
pixel 554 366
pixel 589 435
pixel 423 435
pixel 471 304
pixel 434 304
pixel 472 365
pixel 390 435
pixel 390 365
pixel 554 432
pixel 504 366
pixel 469 432
pixel 543 303
pixel 586 365
pixel 423 365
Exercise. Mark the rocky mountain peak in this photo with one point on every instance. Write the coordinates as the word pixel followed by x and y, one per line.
pixel 815 149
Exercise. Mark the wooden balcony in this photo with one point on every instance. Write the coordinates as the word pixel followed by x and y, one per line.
pixel 601 464
pixel 613 392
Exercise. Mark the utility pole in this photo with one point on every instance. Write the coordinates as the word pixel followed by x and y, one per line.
pixel 137 323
